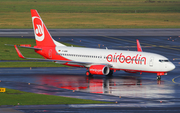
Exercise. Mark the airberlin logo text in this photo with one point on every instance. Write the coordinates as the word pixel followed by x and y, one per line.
pixel 137 59
pixel 38 28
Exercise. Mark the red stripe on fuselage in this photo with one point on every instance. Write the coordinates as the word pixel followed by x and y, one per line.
pixel 130 70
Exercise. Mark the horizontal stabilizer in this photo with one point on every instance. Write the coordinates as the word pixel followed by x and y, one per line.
pixel 30 47
pixel 24 46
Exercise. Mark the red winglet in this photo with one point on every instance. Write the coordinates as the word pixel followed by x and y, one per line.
pixel 138 46
pixel 18 52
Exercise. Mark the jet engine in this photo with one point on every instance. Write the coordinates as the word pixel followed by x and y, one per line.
pixel 99 70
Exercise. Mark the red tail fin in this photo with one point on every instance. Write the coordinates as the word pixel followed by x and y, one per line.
pixel 42 35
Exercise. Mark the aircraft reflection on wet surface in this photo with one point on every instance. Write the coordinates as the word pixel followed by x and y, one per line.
pixel 118 86
pixel 126 89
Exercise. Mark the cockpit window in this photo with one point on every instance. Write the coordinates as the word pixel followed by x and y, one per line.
pixel 163 60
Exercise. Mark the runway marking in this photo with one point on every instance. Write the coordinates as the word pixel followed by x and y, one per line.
pixel 174 79
pixel 141 43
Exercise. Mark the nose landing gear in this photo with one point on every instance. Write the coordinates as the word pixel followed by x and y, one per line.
pixel 158 77
pixel 160 74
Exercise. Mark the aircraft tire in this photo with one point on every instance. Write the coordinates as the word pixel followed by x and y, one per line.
pixel 88 73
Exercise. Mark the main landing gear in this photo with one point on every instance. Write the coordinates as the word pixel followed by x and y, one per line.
pixel 88 74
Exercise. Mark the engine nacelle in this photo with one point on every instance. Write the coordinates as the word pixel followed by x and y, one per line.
pixel 99 69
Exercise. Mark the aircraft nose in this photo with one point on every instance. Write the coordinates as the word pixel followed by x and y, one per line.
pixel 171 67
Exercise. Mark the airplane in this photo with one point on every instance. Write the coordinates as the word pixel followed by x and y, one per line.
pixel 96 61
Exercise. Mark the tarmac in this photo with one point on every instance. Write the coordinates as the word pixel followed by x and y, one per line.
pixel 94 32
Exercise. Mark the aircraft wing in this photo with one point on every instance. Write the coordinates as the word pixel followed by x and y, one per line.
pixel 84 64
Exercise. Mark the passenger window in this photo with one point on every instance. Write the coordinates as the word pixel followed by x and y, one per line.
pixel 163 60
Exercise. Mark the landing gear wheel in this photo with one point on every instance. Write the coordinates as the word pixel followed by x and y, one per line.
pixel 158 77
pixel 88 73
pixel 110 73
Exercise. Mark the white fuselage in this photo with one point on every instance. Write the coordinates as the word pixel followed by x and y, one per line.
pixel 118 59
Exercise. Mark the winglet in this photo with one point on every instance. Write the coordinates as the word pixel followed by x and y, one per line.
pixel 138 46
pixel 18 52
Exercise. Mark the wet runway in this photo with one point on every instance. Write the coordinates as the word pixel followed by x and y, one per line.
pixel 140 92
pixel 128 90
pixel 45 80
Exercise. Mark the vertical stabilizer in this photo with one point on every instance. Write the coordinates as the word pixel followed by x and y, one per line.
pixel 42 35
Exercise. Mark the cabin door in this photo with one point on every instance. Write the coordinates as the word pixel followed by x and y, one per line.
pixel 151 61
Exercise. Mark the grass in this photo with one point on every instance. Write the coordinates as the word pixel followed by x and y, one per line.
pixel 92 13
pixel 9 53
pixel 13 97
pixel 95 20
pixel 29 64
pixel 91 6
